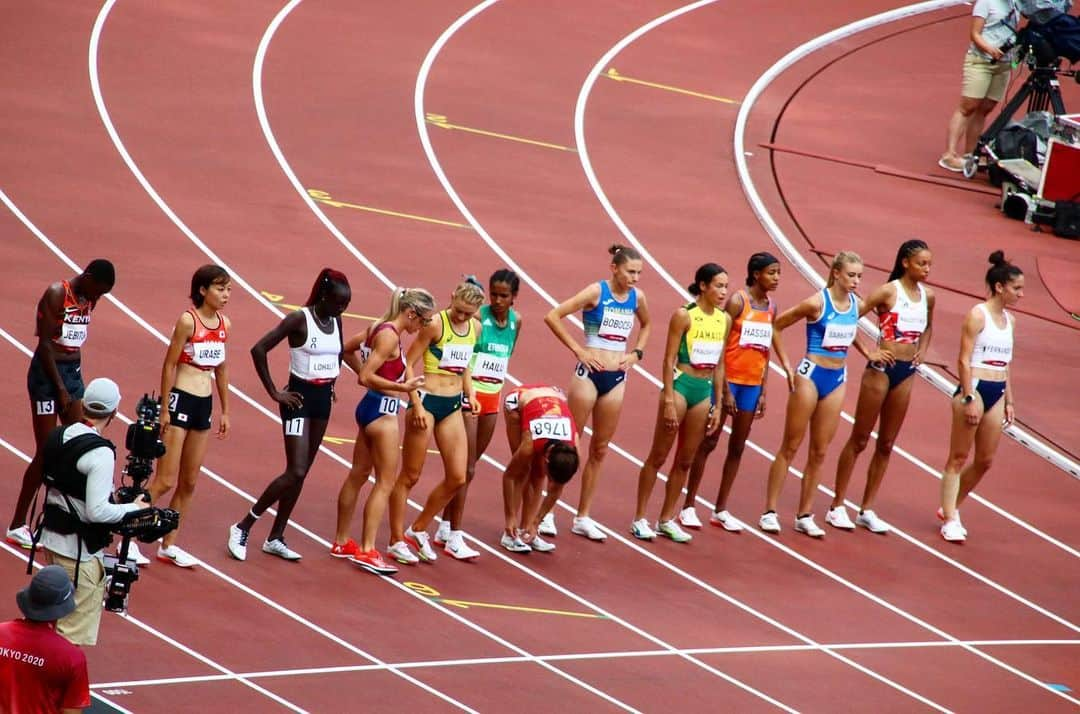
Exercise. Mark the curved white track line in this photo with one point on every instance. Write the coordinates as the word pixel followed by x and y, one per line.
pixel 420 116
pixel 931 375
pixel 601 195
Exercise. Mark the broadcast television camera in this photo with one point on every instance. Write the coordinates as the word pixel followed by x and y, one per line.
pixel 144 445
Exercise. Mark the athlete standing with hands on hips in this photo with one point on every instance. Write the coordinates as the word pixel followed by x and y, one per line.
pixel 693 371
pixel 983 402
pixel 196 350
pixel 905 310
pixel 54 379
pixel 315 345
pixel 609 311
pixel 746 367
pixel 832 317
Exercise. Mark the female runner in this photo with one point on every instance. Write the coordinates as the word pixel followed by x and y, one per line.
pixel 832 317
pixel 197 348
pixel 979 411
pixel 447 346
pixel 905 310
pixel 609 308
pixel 746 365
pixel 693 371
pixel 500 327
pixel 314 334
pixel 381 368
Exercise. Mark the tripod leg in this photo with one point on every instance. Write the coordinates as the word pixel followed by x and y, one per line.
pixel 1006 115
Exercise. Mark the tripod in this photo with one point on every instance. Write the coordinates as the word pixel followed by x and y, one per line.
pixel 1041 91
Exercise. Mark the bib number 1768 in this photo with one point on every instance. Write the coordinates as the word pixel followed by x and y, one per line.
pixel 557 428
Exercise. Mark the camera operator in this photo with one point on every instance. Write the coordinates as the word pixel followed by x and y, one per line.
pixel 985 77
pixel 1052 20
pixel 79 464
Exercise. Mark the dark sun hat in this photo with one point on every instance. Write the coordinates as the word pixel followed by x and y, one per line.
pixel 49 596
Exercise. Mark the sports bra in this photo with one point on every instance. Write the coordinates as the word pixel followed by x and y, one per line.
pixel 392 369
pixel 319 358
pixel 702 345
pixel 831 334
pixel 907 319
pixel 749 343
pixel 74 323
pixel 493 350
pixel 608 325
pixel 993 345
pixel 205 349
pixel 452 352
pixel 547 418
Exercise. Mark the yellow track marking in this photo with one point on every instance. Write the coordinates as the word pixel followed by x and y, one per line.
pixel 614 74
pixel 428 591
pixel 440 121
pixel 324 197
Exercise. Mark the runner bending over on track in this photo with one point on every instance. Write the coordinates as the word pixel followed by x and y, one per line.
pixel 979 412
pixel 197 348
pixel 746 366
pixel 314 334
pixel 54 379
pixel 447 346
pixel 381 367
pixel 609 308
pixel 832 317
pixel 905 310
pixel 543 438
pixel 693 372
pixel 500 326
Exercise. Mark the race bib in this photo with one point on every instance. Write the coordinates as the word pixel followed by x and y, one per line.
pixel 552 428
pixel 323 366
pixel 389 405
pixel 72 335
pixel 455 357
pixel 490 368
pixel 755 335
pixel 616 325
pixel 706 354
pixel 838 337
pixel 907 323
pixel 208 354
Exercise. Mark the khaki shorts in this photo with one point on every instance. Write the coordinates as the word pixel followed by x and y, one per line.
pixel 81 626
pixel 983 80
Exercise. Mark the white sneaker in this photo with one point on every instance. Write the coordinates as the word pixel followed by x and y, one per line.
pixel 869 520
pixel 640 530
pixel 458 548
pixel 20 536
pixel 547 526
pixel 688 518
pixel 540 545
pixel 514 544
pixel 134 555
pixel 953 532
pixel 442 533
pixel 238 542
pixel 587 527
pixel 769 522
pixel 723 519
pixel 277 547
pixel 422 542
pixel 806 525
pixel 941 517
pixel 400 552
pixel 671 529
pixel 177 557
pixel 838 518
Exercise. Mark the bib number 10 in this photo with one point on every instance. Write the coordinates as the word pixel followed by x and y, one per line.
pixel 557 428
pixel 388 405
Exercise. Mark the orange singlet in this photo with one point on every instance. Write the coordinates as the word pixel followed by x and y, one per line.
pixel 747 355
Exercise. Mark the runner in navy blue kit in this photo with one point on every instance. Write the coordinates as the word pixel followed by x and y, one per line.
pixel 609 310
pixel 377 357
pixel 315 346
pixel 196 350
pixel 55 381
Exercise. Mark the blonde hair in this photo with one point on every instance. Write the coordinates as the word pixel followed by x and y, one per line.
pixel 842 258
pixel 420 300
pixel 469 291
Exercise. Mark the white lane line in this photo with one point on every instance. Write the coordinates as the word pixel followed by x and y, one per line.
pixel 601 195
pixel 587 656
pixel 226 673
pixel 943 384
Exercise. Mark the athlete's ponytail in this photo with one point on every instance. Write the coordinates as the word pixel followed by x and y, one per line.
pixel 621 253
pixel 907 249
pixel 1001 272
pixel 417 299
pixel 470 291
pixel 844 257
pixel 704 274
pixel 324 285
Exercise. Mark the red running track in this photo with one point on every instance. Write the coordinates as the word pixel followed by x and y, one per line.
pixel 339 81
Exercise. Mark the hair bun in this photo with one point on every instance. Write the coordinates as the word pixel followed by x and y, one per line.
pixel 998 258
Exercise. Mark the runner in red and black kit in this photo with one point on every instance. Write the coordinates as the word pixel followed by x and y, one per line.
pixel 542 435
pixel 54 380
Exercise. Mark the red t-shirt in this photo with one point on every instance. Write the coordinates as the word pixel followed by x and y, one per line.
pixel 40 671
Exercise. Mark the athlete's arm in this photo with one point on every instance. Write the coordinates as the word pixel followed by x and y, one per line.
pixel 808 309
pixel 971 327
pixel 350 353
pixel 182 332
pixel 49 315
pixel 677 327
pixel 1010 409
pixel 719 383
pixel 587 298
pixel 383 348
pixel 924 338
pixel 293 327
pixel 878 299
pixel 645 323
